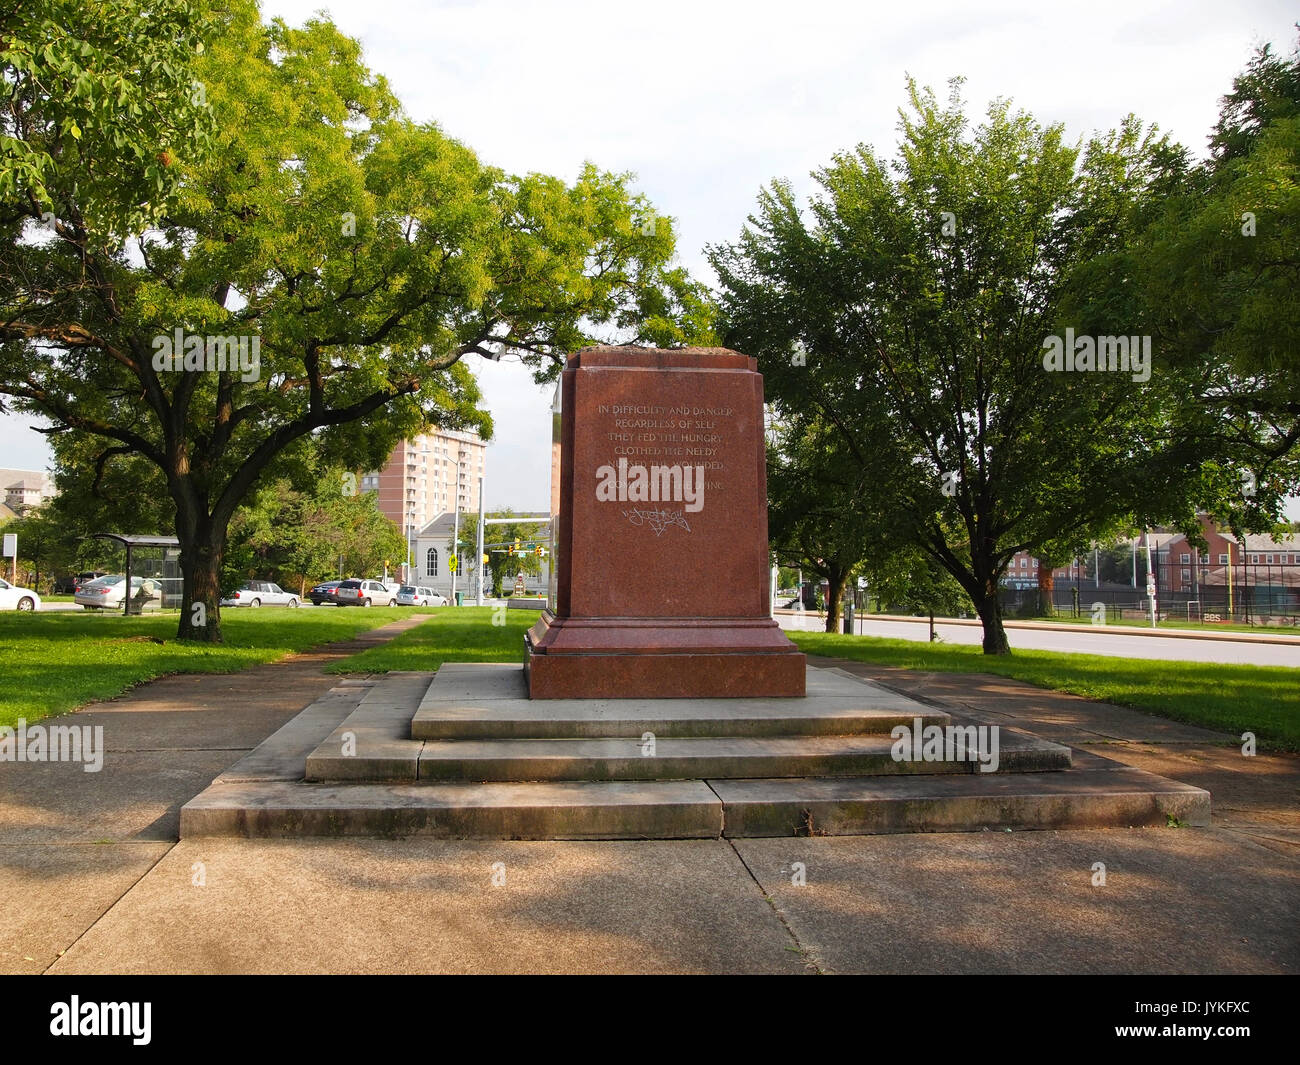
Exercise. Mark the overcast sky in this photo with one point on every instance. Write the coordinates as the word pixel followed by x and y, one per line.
pixel 707 101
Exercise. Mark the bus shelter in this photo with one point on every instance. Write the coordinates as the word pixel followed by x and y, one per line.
pixel 153 571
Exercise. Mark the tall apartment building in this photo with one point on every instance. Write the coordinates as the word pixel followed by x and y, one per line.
pixel 426 476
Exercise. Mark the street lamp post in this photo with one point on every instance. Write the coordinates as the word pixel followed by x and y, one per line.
pixel 410 550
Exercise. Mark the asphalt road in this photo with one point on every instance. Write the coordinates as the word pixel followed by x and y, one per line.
pixel 1084 641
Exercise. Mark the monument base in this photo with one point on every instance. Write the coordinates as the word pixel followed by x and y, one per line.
pixel 661 658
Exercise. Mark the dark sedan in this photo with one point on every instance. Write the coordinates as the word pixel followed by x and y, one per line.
pixel 324 593
pixel 68 585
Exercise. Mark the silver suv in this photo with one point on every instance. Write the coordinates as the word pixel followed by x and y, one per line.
pixel 355 592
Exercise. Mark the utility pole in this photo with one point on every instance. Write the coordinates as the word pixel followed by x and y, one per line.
pixel 455 536
pixel 480 539
pixel 1229 543
pixel 1151 579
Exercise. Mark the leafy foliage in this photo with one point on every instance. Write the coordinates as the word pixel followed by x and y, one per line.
pixel 1220 272
pixel 360 254
pixel 816 517
pixel 103 97
pixel 296 538
pixel 909 313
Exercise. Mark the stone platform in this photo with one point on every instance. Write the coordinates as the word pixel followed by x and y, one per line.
pixel 466 754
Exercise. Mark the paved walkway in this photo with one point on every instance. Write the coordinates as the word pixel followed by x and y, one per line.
pixel 98 882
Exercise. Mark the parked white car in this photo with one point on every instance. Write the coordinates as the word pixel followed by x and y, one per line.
pixel 354 592
pixel 414 595
pixel 260 593
pixel 105 593
pixel 14 598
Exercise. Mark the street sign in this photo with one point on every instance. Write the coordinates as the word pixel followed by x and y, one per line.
pixel 11 545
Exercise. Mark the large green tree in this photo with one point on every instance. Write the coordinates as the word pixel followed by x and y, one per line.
pixel 297 537
pixel 43 550
pixel 1220 272
pixel 360 254
pixel 816 518
pixel 909 310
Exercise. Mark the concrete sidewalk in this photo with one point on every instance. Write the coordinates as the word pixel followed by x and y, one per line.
pixel 97 881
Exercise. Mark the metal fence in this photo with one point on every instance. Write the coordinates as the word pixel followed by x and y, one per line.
pixel 1258 595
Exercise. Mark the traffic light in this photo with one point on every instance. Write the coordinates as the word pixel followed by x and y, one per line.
pixel 485 558
pixel 451 563
pixel 510 550
pixel 538 550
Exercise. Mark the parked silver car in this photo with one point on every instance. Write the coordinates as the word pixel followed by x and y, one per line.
pixel 106 593
pixel 414 595
pixel 260 593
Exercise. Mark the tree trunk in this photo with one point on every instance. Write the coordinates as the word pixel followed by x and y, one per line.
pixel 990 612
pixel 1046 589
pixel 834 592
pixel 201 599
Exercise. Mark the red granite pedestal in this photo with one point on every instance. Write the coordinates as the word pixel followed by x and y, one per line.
pixel 659 529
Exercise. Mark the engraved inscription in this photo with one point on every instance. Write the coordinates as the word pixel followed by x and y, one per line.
pixel 682 438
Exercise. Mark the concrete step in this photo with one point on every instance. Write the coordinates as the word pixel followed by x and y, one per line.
pixel 373 742
pixel 1081 798
pixel 376 780
pixel 632 718
pixel 696 809
pixel 489 701
pixel 709 757
pixel 569 810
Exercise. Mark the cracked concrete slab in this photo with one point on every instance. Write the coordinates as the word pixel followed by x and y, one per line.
pixel 1174 901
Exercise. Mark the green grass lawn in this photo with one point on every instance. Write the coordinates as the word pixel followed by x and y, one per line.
pixel 1233 698
pixel 53 663
pixel 464 634
pixel 1264 700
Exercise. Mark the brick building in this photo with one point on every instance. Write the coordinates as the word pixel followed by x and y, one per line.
pixel 1258 578
pixel 427 477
